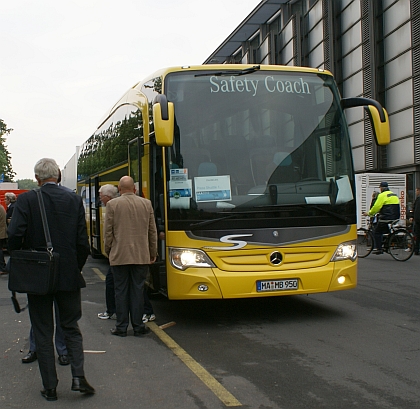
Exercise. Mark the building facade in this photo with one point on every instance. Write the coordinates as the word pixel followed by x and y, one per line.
pixel 373 49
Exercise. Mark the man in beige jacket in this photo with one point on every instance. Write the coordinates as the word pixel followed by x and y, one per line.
pixel 131 245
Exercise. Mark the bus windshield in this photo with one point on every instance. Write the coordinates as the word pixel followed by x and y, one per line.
pixel 258 145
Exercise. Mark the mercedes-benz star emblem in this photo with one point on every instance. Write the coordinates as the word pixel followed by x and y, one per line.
pixel 276 258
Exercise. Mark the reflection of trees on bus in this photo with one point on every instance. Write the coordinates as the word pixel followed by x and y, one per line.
pixel 108 146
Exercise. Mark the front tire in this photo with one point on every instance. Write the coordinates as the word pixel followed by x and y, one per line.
pixel 364 242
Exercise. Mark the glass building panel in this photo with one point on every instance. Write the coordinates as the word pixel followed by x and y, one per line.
pixel 401 124
pixel 398 70
pixel 387 3
pixel 316 36
pixel 354 114
pixel 357 133
pixel 315 15
pixel 266 60
pixel 353 86
pixel 287 54
pixel 397 42
pixel 396 15
pixel 316 57
pixel 350 15
pixel 401 153
pixel 264 51
pixel 287 33
pixel 359 159
pixel 399 97
pixel 351 39
pixel 344 3
pixel 352 62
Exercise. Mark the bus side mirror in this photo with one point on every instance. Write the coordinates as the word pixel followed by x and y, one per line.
pixel 380 128
pixel 377 115
pixel 163 118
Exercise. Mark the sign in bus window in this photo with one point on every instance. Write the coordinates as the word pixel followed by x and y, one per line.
pixel 212 188
pixel 180 193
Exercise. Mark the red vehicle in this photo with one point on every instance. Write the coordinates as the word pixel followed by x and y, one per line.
pixel 17 192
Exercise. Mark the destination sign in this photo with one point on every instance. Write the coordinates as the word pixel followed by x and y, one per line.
pixel 253 86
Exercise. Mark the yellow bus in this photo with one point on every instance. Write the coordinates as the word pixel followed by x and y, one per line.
pixel 250 172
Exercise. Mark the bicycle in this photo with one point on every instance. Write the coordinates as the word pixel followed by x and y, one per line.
pixel 399 242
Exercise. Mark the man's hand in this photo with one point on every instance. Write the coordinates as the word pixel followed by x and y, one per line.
pixel 365 214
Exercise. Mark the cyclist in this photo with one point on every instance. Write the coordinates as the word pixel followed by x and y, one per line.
pixel 387 204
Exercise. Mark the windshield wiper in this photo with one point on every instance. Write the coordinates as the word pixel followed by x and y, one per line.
pixel 234 73
pixel 292 206
pixel 329 212
pixel 211 221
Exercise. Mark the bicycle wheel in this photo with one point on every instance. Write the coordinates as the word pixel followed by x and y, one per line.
pixel 364 242
pixel 401 245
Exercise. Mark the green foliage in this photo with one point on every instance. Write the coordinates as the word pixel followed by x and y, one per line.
pixel 5 164
pixel 27 184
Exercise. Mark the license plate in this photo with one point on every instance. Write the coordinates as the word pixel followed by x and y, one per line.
pixel 277 285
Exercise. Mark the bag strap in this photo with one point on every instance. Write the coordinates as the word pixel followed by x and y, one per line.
pixel 44 221
pixel 16 305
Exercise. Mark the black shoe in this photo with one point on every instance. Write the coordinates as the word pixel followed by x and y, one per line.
pixel 63 360
pixel 115 331
pixel 81 384
pixel 377 252
pixel 30 357
pixel 143 331
pixel 49 394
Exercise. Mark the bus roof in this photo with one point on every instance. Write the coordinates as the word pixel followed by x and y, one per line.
pixel 211 67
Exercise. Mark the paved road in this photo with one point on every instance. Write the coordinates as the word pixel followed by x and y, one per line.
pixel 358 348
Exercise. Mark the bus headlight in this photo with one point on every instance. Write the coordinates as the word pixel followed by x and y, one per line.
pixel 184 258
pixel 345 251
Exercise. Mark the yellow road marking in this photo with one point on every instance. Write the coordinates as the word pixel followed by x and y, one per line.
pixel 98 273
pixel 220 391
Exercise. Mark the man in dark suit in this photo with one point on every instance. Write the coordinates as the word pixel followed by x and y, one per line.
pixel 10 200
pixel 66 220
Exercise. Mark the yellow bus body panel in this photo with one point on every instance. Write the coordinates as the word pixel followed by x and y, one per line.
pixel 237 271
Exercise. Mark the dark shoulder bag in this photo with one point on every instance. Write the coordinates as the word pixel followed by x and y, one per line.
pixel 33 271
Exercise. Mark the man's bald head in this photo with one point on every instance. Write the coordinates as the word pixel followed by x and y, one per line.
pixel 126 185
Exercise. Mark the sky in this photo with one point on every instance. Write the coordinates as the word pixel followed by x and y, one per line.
pixel 64 63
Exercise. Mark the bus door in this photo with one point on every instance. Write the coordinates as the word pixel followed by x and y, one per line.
pixel 135 153
pixel 95 219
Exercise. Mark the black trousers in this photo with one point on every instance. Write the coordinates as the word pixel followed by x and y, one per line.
pixel 416 232
pixel 110 292
pixel 380 229
pixel 42 319
pixel 129 296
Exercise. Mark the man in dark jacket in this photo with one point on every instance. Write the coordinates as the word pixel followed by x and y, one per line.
pixel 66 220
pixel 416 218
pixel 387 205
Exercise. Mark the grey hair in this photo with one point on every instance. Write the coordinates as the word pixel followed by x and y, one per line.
pixel 109 190
pixel 47 168
pixel 11 196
